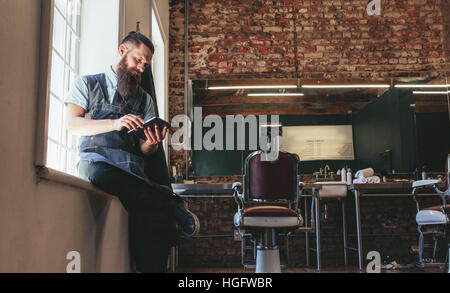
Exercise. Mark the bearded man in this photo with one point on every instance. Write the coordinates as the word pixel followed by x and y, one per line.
pixel 101 109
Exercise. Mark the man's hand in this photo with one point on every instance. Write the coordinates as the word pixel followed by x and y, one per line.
pixel 153 138
pixel 130 121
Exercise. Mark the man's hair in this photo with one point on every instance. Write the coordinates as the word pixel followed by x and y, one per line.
pixel 137 39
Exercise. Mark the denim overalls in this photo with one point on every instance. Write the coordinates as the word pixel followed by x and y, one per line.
pixel 117 148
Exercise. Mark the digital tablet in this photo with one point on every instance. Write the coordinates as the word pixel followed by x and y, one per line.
pixel 152 122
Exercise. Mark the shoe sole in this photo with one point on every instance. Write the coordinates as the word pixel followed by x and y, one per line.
pixel 197 223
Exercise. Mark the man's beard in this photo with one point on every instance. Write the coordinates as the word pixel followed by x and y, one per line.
pixel 127 82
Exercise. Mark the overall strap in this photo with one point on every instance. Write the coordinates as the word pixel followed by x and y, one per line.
pixel 102 82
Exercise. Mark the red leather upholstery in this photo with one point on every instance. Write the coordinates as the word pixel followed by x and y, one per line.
pixel 269 211
pixel 438 208
pixel 272 179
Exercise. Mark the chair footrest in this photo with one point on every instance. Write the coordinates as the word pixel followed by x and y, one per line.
pixel 305 229
pixel 351 248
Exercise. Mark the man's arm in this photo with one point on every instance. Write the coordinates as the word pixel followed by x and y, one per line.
pixel 78 125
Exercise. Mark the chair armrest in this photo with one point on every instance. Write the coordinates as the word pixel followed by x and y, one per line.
pixel 428 183
pixel 237 193
pixel 425 183
pixel 237 186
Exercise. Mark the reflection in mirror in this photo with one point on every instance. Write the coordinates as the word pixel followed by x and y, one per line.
pixel 405 118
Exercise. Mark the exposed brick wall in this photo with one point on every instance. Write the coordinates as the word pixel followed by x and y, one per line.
pixel 388 226
pixel 327 39
pixel 301 38
pixel 446 40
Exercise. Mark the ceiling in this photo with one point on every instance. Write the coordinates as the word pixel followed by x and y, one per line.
pixel 315 101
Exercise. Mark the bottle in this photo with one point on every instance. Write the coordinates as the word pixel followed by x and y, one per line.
pixel 343 175
pixel 349 176
pixel 424 175
pixel 174 174
pixel 416 174
pixel 179 174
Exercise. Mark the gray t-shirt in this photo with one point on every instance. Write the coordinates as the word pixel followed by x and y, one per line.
pixel 78 93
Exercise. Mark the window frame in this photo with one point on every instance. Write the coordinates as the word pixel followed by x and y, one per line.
pixel 43 172
pixel 44 82
pixel 43 104
pixel 69 60
pixel 165 115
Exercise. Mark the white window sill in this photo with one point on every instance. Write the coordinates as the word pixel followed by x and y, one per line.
pixel 50 174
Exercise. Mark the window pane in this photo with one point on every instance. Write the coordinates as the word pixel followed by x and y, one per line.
pixel 59 33
pixel 62 159
pixel 72 159
pixel 52 155
pixel 66 82
pixel 55 118
pixel 74 13
pixel 72 142
pixel 62 151
pixel 68 40
pixel 61 5
pixel 74 51
pixel 64 133
pixel 72 76
pixel 57 77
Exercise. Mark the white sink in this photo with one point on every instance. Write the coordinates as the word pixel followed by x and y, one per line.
pixel 332 189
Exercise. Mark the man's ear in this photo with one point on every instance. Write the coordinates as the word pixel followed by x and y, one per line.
pixel 122 50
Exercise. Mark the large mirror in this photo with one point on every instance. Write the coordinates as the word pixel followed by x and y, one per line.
pixel 396 125
pixel 383 75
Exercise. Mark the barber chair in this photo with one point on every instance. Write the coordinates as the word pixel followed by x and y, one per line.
pixel 433 221
pixel 272 188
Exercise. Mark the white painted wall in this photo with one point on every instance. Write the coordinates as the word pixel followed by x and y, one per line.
pixel 164 13
pixel 99 35
pixel 138 10
pixel 41 223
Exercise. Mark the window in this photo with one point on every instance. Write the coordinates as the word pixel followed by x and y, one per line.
pixel 61 147
pixel 159 68
pixel 158 65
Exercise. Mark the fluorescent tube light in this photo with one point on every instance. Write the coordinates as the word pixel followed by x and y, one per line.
pixel 430 93
pixel 422 85
pixel 276 94
pixel 347 86
pixel 252 87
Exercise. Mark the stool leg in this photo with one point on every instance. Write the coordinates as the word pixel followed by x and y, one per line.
pixel 317 223
pixel 420 247
pixel 358 228
pixel 448 259
pixel 344 231
pixel 268 254
pixel 173 257
pixel 306 233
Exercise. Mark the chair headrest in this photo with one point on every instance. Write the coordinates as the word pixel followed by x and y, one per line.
pixel 271 180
